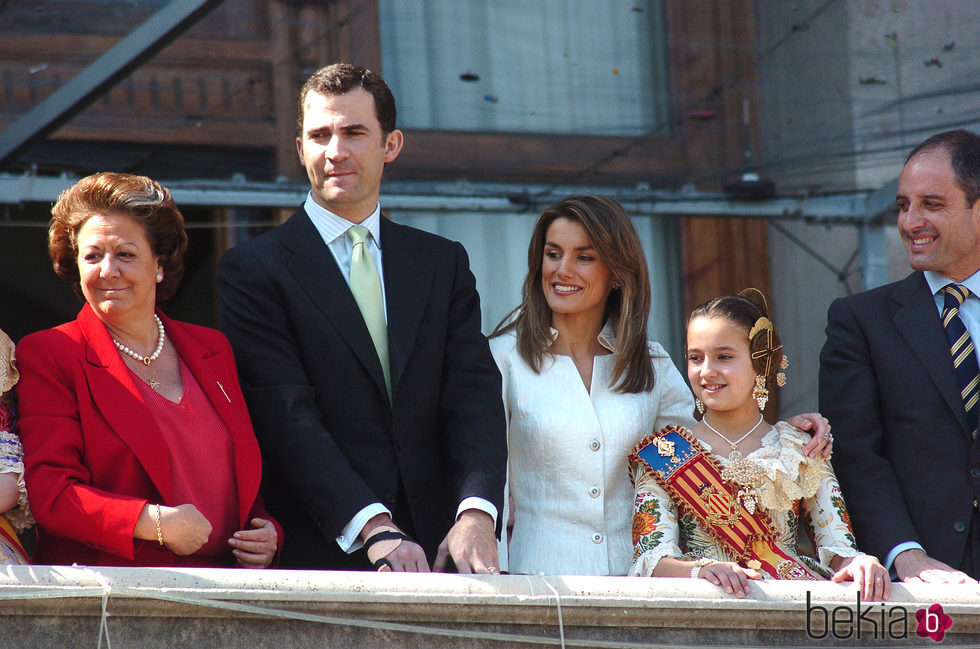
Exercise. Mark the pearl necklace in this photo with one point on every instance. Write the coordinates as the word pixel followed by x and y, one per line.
pixel 146 360
pixel 734 445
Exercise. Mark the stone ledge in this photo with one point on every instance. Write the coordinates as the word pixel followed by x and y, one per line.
pixel 156 607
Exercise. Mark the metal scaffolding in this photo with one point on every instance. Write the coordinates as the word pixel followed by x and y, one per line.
pixel 866 210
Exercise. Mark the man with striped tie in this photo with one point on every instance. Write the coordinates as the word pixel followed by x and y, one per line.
pixel 899 378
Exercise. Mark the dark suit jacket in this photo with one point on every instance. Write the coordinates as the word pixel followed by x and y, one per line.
pixel 331 442
pixel 903 452
pixel 92 453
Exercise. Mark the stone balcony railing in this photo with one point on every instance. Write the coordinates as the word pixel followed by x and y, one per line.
pixel 44 606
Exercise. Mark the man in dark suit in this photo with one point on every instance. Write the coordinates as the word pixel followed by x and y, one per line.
pixel 906 454
pixel 373 392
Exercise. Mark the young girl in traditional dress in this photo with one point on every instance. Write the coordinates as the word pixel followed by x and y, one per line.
pixel 724 501
pixel 15 516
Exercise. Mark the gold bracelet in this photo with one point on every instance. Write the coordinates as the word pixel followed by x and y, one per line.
pixel 156 519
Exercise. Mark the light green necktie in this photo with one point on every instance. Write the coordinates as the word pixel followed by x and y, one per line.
pixel 366 288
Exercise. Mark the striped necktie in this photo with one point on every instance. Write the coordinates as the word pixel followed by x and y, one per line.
pixel 961 347
pixel 366 288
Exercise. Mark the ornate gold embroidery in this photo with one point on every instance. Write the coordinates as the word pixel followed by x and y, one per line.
pixel 790 570
pixel 723 507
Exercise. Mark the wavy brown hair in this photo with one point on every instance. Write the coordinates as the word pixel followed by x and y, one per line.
pixel 614 238
pixel 145 201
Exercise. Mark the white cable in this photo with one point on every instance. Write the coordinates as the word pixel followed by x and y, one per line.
pixel 561 622
pixel 104 620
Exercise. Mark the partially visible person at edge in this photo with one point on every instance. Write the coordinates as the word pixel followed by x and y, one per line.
pixel 581 385
pixel 16 514
pixel 137 441
pixel 725 499
pixel 375 399
pixel 898 376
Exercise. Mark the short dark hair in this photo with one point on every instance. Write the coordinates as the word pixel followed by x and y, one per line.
pixel 341 78
pixel 964 153
pixel 145 201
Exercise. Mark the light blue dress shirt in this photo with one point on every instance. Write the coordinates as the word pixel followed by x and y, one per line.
pixel 333 229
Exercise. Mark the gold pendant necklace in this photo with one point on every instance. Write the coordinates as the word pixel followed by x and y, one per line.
pixel 747 475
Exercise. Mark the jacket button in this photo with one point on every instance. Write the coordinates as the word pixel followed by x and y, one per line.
pixel 975 473
pixel 594 445
pixel 594 492
pixel 597 538
pixel 959 526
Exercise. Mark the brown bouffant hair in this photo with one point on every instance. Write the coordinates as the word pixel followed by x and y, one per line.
pixel 617 245
pixel 341 78
pixel 145 201
pixel 745 310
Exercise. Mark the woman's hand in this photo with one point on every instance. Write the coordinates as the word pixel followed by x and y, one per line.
pixel 730 576
pixel 868 575
pixel 184 529
pixel 818 426
pixel 255 548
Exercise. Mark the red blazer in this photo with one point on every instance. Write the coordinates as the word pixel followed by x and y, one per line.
pixel 94 456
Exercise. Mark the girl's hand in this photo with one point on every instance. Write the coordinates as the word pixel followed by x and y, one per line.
pixel 9 493
pixel 730 576
pixel 868 575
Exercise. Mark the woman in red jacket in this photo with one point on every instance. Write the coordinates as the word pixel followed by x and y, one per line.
pixel 138 445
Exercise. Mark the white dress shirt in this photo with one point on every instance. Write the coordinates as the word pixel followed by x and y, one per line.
pixel 333 229
pixel 567 449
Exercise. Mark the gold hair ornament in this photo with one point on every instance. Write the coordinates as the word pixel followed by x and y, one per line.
pixel 764 324
pixel 760 393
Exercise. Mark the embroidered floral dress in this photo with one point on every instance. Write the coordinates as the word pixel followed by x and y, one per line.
pixel 11 453
pixel 795 490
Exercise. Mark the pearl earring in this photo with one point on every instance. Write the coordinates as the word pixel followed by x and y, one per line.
pixel 159 277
